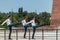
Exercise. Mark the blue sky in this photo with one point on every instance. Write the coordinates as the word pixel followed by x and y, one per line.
pixel 29 5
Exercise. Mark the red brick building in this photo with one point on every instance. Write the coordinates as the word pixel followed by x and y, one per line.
pixel 55 17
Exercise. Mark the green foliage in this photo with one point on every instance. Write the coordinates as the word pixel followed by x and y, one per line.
pixel 4 27
pixel 18 16
pixel 44 17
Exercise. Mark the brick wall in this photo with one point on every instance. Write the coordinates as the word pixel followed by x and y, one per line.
pixel 55 18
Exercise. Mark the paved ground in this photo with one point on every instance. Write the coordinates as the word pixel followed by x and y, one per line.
pixel 48 35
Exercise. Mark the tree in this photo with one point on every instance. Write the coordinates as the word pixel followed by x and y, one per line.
pixel 20 12
pixel 31 14
pixel 45 17
pixel 25 13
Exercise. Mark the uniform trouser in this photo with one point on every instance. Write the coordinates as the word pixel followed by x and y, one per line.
pixel 34 29
pixel 25 27
pixel 10 29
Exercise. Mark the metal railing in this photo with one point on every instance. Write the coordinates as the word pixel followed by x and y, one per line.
pixel 29 35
